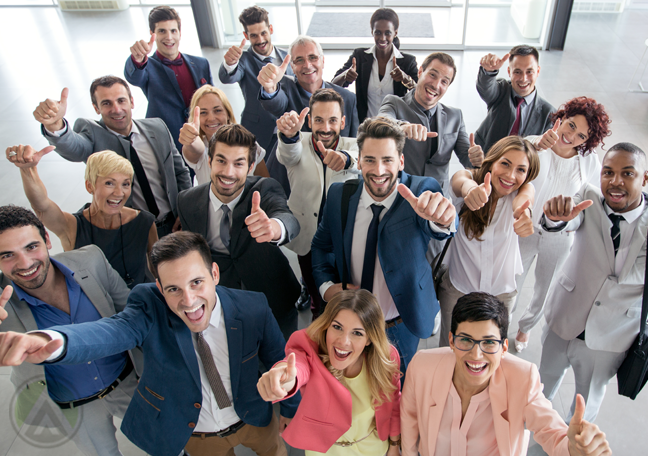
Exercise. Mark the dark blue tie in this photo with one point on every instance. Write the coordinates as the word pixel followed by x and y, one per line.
pixel 369 264
pixel 615 232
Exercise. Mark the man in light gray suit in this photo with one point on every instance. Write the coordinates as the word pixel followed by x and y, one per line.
pixel 433 129
pixel 72 287
pixel 160 173
pixel 594 304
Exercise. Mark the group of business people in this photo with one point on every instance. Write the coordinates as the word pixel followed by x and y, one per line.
pixel 370 201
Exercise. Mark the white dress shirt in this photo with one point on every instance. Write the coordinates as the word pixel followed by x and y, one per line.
pixel 627 227
pixel 203 171
pixel 378 89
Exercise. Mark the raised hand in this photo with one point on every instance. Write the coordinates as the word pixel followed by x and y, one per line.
pixel 478 196
pixel 261 228
pixel 234 53
pixel 430 206
pixel 418 132
pixel 335 289
pixel 191 130
pixel 397 74
pixel 51 112
pixel 141 49
pixel 475 153
pixel 4 298
pixel 351 75
pixel 585 438
pixel 271 74
pixel 15 348
pixel 26 156
pixel 275 384
pixel 550 137
pixel 523 225
pixel 562 209
pixel 491 62
pixel 290 123
pixel 332 158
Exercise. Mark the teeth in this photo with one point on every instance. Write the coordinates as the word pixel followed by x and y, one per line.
pixel 213 126
pixel 227 182
pixel 566 140
pixel 506 182
pixel 380 181
pixel 114 201
pixel 430 92
pixel 340 352
pixel 28 273
pixel 193 310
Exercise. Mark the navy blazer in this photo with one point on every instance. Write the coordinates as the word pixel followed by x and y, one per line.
pixel 403 239
pixel 165 409
pixel 254 117
pixel 160 85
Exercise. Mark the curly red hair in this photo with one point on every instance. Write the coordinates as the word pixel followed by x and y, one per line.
pixel 597 121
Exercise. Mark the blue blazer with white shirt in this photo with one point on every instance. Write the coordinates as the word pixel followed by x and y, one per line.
pixel 165 409
pixel 403 239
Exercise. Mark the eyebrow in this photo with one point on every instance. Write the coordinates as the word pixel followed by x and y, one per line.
pixel 489 336
pixel 12 251
pixel 355 329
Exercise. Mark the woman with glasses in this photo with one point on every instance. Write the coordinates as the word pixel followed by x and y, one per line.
pixel 381 69
pixel 348 376
pixel 472 398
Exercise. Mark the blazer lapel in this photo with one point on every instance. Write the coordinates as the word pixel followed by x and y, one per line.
pixel 192 70
pixel 347 236
pixel 439 396
pixel 170 75
pixel 239 214
pixel 234 330
pixel 94 292
pixel 183 337
pixel 199 210
pixel 19 306
pixel 499 405
pixel 405 179
pixel 638 239
pixel 366 64
pixel 158 148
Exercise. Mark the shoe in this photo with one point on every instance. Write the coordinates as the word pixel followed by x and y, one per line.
pixel 304 300
pixel 520 346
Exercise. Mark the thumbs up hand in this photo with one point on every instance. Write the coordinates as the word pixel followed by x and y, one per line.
pixel 430 206
pixel 26 156
pixel 261 228
pixel 478 195
pixel 271 74
pixel 585 438
pixel 290 123
pixel 351 74
pixel 50 112
pixel 275 384
pixel 191 130
pixel 141 49
pixel 332 158
pixel 397 74
pixel 550 137
pixel 234 53
pixel 562 209
pixel 4 298
pixel 475 153
pixel 523 225
pixel 491 62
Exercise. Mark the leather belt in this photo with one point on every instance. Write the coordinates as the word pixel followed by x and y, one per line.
pixel 233 429
pixel 128 368
pixel 393 322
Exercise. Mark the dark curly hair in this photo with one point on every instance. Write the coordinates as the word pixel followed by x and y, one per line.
pixel 597 121
pixel 16 217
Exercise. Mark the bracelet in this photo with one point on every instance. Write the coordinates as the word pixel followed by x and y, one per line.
pixel 394 442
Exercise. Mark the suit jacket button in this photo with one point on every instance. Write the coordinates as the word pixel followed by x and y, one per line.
pixel 192 425
pixel 197 405
pixel 597 303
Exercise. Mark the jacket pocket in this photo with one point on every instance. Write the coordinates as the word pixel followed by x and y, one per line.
pixel 314 421
pixel 147 402
pixel 253 354
pixel 567 283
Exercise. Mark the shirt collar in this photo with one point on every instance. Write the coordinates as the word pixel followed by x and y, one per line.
pixel 263 57
pixel 395 52
pixel 367 200
pixel 429 112
pixel 216 203
pixel 629 216
pixel 528 99
pixel 161 57
pixel 306 91
pixel 215 318
pixel 69 280
pixel 134 130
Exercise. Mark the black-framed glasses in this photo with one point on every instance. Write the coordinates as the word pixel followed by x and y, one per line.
pixel 489 346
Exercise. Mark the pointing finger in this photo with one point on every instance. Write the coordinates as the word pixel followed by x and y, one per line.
pixel 394 61
pixel 472 140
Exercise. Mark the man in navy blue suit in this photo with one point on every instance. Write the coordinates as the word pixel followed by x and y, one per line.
pixel 169 78
pixel 201 356
pixel 379 241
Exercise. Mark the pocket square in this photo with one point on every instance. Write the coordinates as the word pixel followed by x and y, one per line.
pixel 203 81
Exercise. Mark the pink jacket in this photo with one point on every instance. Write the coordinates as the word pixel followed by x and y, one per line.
pixel 516 399
pixel 324 413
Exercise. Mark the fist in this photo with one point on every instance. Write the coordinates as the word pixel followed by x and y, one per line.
pixel 351 75
pixel 191 130
pixel 26 156
pixel 290 123
pixel 234 53
pixel 478 196
pixel 50 113
pixel 491 62
pixel 475 153
pixel 562 209
pixel 523 224
pixel 431 206
pixel 271 74
pixel 550 137
pixel 141 49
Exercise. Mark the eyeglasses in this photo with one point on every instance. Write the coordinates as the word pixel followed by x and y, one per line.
pixel 489 346
pixel 301 61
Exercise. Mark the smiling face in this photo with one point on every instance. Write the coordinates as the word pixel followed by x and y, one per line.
pixel 572 132
pixel 115 107
pixel 110 193
pixel 229 170
pixel 509 172
pixel 212 114
pixel 623 176
pixel 384 34
pixel 380 163
pixel 326 121
pixel 474 368
pixel 346 340
pixel 523 71
pixel 433 83
pixel 307 64
pixel 259 36
pixel 167 38
pixel 24 256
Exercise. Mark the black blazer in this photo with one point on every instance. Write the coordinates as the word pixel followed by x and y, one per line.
pixel 364 63
pixel 260 267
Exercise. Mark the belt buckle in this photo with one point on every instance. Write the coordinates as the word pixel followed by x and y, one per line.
pixel 105 392
pixel 224 432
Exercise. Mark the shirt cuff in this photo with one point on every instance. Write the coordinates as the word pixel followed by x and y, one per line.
pixel 550 225
pixel 138 64
pixel 230 68
pixel 324 287
pixel 348 160
pixel 57 133
pixel 54 335
pixel 293 140
pixel 269 96
pixel 439 229
pixel 283 232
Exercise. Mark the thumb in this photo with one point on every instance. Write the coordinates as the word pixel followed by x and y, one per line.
pixel 579 412
pixel 46 150
pixel 432 134
pixel 152 40
pixel 506 56
pixel 520 210
pixel 582 206
pixel 196 118
pixel 351 286
pixel 322 149
pixel 303 114
pixel 243 43
pixel 291 369
pixel 406 193
pixel 472 140
pixel 64 94
pixel 256 202
pixel 487 182
pixel 394 61
pixel 285 63
pixel 353 65
pixel 556 125
pixel 6 294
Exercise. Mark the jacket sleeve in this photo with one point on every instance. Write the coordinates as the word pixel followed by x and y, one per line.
pixel 275 205
pixel 322 248
pixel 137 76
pixel 183 221
pixel 289 154
pixel 278 104
pixel 355 122
pixel 388 109
pixel 490 88
pixel 345 67
pixel 75 145
pixel 237 75
pixel 463 144
pixel 183 178
pixel 574 224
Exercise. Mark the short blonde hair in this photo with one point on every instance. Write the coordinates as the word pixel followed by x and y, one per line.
pixel 105 163
pixel 204 90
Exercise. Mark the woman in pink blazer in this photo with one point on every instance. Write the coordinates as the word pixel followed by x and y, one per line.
pixel 472 398
pixel 349 380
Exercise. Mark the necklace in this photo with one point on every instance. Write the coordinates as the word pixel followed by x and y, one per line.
pixel 127 278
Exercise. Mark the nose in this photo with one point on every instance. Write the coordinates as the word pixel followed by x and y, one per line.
pixel 616 180
pixel 476 352
pixel 23 261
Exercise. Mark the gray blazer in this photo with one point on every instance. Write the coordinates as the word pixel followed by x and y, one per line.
pixel 420 160
pixel 586 294
pixel 98 280
pixel 256 119
pixel 90 136
pixel 497 93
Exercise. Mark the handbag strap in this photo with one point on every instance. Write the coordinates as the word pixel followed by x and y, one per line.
pixel 644 305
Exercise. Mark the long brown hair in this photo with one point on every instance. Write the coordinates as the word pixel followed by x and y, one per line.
pixel 475 222
pixel 380 367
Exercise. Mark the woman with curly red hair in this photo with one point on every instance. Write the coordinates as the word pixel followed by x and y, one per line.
pixel 568 160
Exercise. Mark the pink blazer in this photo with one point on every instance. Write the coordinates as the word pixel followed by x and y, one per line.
pixel 516 399
pixel 324 413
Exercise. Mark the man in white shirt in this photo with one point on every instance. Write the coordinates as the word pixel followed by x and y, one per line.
pixel 594 304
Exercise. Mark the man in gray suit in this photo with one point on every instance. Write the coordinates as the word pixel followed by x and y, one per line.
pixel 514 107
pixel 160 173
pixel 244 66
pixel 594 304
pixel 433 129
pixel 72 287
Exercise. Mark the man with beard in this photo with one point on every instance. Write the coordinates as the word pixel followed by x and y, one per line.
pixel 79 286
pixel 244 220
pixel 314 161
pixel 244 66
pixel 378 236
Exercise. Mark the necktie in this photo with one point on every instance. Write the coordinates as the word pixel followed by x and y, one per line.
pixel 434 142
pixel 369 263
pixel 267 60
pixel 212 372
pixel 615 232
pixel 176 62
pixel 515 129
pixel 225 226
pixel 142 179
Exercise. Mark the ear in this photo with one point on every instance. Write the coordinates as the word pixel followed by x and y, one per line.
pixel 645 179
pixel 48 243
pixel 271 30
pixel 508 69
pixel 310 122
pixel 401 165
pixel 538 70
pixel 451 340
pixel 420 72
pixel 132 102
pixel 342 123
pixel 215 273
pixel 96 108
pixel 89 187
pixel 159 286
pixel 248 38
pixel 505 346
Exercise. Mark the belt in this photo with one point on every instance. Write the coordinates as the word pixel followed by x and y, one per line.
pixel 169 218
pixel 128 368
pixel 233 429
pixel 348 444
pixel 393 322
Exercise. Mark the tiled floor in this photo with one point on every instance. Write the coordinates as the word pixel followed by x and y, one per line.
pixel 45 50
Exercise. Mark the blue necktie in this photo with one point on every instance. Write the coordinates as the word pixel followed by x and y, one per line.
pixel 225 226
pixel 369 264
